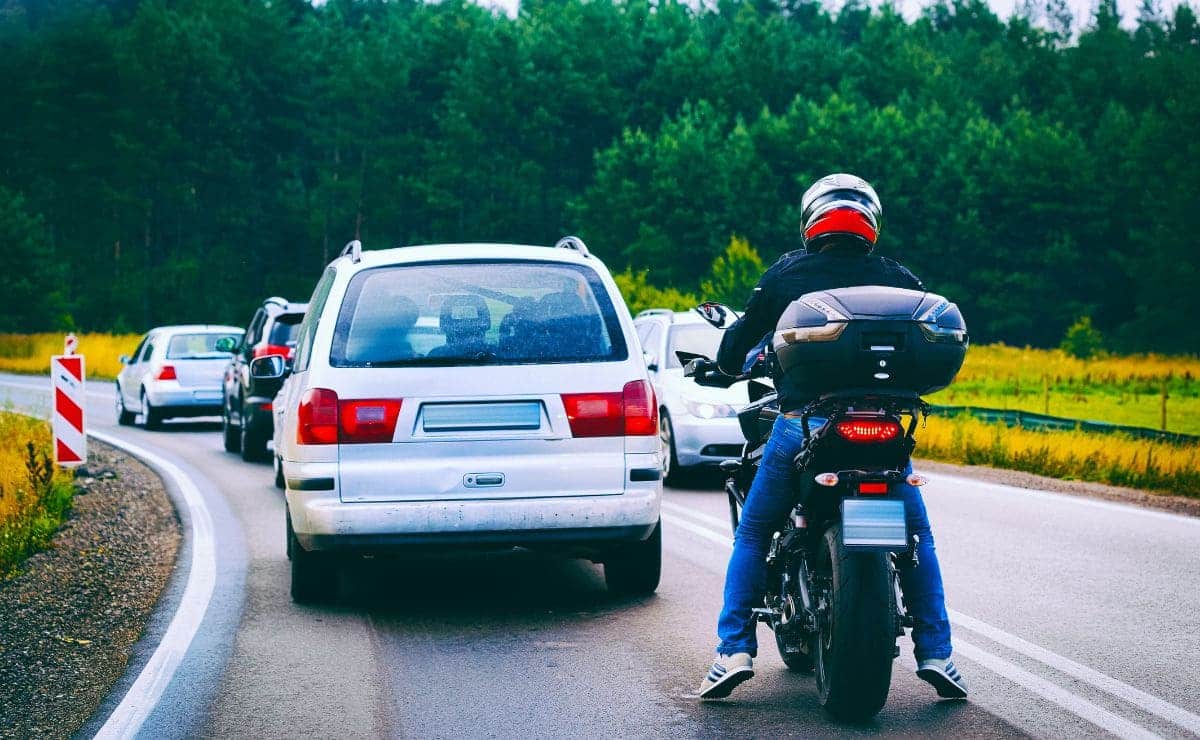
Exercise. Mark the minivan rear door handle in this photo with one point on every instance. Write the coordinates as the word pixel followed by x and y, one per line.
pixel 483 480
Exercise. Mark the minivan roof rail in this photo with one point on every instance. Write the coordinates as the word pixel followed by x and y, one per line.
pixel 353 250
pixel 573 242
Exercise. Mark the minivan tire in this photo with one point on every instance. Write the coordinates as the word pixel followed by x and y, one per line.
pixel 314 574
pixel 635 570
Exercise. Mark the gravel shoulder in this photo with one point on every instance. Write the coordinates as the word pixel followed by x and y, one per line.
pixel 69 620
pixel 1018 479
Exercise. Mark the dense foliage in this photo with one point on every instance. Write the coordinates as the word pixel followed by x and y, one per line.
pixel 181 159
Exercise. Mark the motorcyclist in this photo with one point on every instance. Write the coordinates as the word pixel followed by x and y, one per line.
pixel 841 219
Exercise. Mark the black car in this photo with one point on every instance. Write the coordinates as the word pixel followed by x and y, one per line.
pixel 246 411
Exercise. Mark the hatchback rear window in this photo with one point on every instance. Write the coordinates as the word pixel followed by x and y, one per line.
pixel 198 346
pixel 476 313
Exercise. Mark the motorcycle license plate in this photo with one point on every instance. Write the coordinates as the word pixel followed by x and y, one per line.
pixel 874 524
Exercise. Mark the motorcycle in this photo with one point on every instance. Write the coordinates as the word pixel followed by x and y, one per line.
pixel 833 597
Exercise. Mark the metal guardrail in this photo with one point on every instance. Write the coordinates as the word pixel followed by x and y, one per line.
pixel 1042 422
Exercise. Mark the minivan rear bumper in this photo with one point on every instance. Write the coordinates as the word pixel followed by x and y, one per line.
pixel 323 522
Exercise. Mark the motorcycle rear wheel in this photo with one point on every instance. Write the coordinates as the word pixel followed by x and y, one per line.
pixel 856 640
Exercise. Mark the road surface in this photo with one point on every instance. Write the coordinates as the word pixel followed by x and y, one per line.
pixel 1071 618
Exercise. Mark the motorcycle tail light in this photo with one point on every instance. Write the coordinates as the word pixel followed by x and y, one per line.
pixel 872 488
pixel 867 431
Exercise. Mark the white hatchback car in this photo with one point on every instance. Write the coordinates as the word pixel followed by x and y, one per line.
pixel 468 396
pixel 699 425
pixel 175 371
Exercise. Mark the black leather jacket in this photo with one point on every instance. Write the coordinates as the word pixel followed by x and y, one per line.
pixel 793 275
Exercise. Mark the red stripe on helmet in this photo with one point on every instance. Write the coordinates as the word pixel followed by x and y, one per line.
pixel 843 220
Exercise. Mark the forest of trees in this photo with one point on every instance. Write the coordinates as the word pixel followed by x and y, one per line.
pixel 179 160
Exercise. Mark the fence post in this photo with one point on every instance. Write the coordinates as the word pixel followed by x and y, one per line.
pixel 1165 396
pixel 1046 395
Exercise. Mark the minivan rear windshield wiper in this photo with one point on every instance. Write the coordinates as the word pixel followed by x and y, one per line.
pixel 479 358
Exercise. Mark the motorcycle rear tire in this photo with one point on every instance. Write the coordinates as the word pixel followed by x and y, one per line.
pixel 856 643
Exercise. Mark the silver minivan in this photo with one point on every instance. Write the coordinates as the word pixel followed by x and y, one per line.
pixel 468 396
pixel 175 371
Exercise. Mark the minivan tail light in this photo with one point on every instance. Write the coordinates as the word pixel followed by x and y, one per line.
pixel 868 431
pixel 633 412
pixel 318 417
pixel 166 372
pixel 365 420
pixel 641 409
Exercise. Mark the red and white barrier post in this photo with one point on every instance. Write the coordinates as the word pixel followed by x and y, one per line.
pixel 66 377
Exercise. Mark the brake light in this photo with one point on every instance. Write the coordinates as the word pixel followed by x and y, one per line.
pixel 633 412
pixel 867 431
pixel 326 420
pixel 166 372
pixel 364 420
pixel 873 488
pixel 317 417
pixel 272 349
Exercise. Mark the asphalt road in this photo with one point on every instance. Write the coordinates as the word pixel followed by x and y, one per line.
pixel 1072 618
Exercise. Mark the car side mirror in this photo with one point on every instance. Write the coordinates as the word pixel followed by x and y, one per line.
pixel 268 367
pixel 651 363
pixel 226 344
pixel 717 314
pixel 124 359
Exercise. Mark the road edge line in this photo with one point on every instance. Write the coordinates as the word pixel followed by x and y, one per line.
pixel 143 695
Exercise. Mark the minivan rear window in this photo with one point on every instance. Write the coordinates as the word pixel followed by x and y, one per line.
pixel 476 313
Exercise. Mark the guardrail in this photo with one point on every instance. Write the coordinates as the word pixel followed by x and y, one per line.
pixel 1031 420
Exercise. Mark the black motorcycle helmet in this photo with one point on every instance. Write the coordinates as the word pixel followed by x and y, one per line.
pixel 840 209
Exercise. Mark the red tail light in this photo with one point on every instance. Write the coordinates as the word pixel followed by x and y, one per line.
pixel 318 417
pixel 868 431
pixel 876 489
pixel 633 412
pixel 166 372
pixel 368 420
pixel 326 420
pixel 273 349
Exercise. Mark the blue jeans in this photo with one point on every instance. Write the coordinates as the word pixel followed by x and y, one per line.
pixel 768 503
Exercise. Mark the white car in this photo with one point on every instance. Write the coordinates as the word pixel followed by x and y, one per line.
pixel 467 396
pixel 699 425
pixel 175 371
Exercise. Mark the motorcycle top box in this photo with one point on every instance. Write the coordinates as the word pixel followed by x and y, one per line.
pixel 870 338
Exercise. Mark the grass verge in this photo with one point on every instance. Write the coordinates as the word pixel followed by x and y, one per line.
pixel 30 353
pixel 1102 458
pixel 34 495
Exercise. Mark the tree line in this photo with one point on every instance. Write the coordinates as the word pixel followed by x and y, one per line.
pixel 178 160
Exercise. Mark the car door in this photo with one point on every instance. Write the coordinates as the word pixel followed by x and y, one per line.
pixel 141 365
pixel 126 382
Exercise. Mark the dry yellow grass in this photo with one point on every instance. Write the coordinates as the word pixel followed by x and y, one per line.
pixel 33 495
pixel 1103 458
pixel 30 353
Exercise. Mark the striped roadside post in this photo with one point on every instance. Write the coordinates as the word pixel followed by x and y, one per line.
pixel 66 377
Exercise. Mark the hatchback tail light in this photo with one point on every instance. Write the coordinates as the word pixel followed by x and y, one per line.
pixel 632 413
pixel 166 372
pixel 868 431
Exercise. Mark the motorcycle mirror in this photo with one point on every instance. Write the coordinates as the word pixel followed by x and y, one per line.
pixel 717 314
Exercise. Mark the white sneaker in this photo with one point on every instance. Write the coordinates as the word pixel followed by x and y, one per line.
pixel 726 673
pixel 944 677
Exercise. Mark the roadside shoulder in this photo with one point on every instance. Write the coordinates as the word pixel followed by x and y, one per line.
pixel 1019 479
pixel 73 614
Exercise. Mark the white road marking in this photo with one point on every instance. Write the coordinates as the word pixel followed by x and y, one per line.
pixel 45 386
pixel 147 689
pixel 721 524
pixel 1152 704
pixel 1053 693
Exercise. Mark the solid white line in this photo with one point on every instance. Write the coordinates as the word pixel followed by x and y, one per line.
pixel 1066 499
pixel 45 386
pixel 147 689
pixel 1152 704
pixel 1073 703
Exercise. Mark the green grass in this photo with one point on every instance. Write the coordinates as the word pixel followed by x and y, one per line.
pixel 34 496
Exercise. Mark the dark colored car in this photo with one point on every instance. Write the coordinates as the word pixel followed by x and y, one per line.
pixel 247 422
